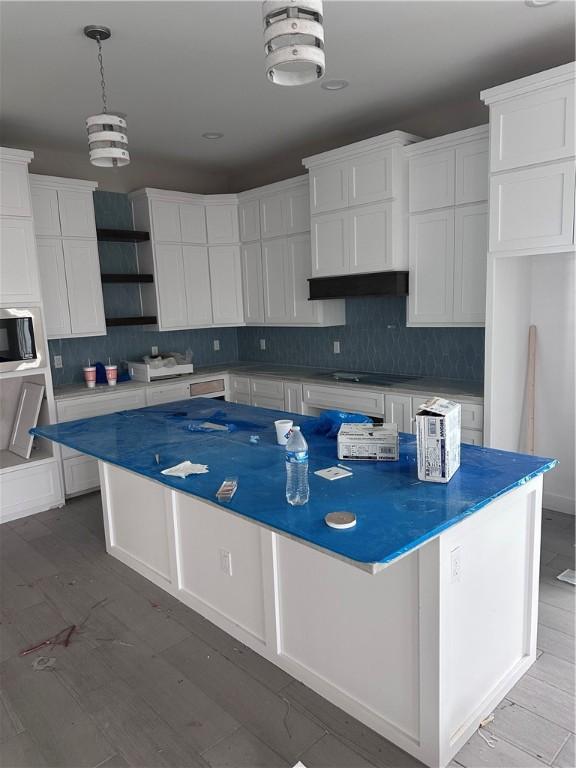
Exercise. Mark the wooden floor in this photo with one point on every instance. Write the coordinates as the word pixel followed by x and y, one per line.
pixel 148 682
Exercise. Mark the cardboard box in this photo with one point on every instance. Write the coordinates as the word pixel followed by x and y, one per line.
pixel 368 442
pixel 438 439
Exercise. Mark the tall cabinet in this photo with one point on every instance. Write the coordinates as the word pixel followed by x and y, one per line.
pixel 448 229
pixel 68 256
pixel 532 274
pixel 275 230
pixel 27 485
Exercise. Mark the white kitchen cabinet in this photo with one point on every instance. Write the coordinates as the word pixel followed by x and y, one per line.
pixel 472 170
pixel 370 177
pixel 471 436
pixel 54 287
pixel 252 285
pixel 274 280
pixel 431 297
pixel 198 285
pixel 270 388
pixel 533 209
pixel 226 285
pixel 330 244
pixel 14 184
pixel 239 390
pixel 18 265
pixel 45 211
pixel 293 397
pixel 165 221
pixel 81 475
pixel 472 415
pixel 370 233
pixel 192 223
pixel 296 212
pixel 319 397
pixel 222 222
pixel 297 270
pixel 432 180
pixel 398 410
pixel 272 218
pixel 167 393
pixel 329 187
pixel 249 219
pixel 84 287
pixel 272 403
pixel 76 210
pixel 171 286
pixel 470 259
pixel 29 489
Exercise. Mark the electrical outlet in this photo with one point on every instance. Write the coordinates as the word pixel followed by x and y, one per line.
pixel 336 347
pixel 263 344
pixel 226 562
pixel 57 361
pixel 154 351
pixel 456 565
pixel 216 345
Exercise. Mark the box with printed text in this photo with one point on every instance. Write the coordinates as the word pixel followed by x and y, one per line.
pixel 438 439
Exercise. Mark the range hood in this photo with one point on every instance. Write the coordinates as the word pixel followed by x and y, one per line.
pixel 370 284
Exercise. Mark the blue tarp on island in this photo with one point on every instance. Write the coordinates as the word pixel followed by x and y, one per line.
pixel 395 511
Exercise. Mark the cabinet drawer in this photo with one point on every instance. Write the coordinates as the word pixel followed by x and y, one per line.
pixel 273 403
pixel 356 401
pixel 472 416
pixel 472 436
pixel 267 388
pixel 240 384
pixel 212 387
pixel 80 474
pixel 169 394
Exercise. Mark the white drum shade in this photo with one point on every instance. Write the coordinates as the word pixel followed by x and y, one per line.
pixel 107 140
pixel 293 41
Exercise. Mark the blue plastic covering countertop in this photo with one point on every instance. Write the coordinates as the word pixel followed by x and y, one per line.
pixel 395 511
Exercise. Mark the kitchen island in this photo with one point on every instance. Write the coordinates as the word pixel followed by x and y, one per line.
pixel 417 621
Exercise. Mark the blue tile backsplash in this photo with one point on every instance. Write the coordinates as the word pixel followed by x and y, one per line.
pixel 375 337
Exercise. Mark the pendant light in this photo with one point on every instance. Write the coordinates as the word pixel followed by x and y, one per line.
pixel 293 41
pixel 107 138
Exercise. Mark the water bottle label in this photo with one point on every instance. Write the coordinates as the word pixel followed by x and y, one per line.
pixel 296 457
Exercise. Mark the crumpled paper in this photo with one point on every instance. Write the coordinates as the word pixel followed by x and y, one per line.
pixel 186 468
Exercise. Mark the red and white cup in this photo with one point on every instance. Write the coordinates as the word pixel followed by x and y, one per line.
pixel 111 375
pixel 90 376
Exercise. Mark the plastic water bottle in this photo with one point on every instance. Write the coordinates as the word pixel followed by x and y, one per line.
pixel 297 489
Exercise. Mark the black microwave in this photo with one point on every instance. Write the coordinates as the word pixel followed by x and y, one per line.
pixel 21 339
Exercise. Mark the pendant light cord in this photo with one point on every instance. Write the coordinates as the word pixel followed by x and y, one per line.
pixel 102 80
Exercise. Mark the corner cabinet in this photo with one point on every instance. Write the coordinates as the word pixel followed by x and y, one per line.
pixel 448 229
pixel 276 265
pixel 194 256
pixel 68 256
pixel 357 206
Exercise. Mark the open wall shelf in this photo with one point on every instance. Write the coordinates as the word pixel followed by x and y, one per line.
pixel 122 235
pixel 137 320
pixel 135 277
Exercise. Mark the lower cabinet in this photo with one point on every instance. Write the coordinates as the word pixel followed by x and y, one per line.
pixel 267 393
pixel 28 489
pixel 398 410
pixel 80 475
pixel 293 397
pixel 169 393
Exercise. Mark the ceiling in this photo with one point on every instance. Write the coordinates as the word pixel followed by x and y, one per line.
pixel 179 69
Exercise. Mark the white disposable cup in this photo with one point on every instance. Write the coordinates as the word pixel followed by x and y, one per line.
pixel 111 374
pixel 283 427
pixel 90 376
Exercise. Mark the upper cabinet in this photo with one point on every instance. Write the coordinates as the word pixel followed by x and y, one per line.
pixel 14 186
pixel 283 209
pixel 448 229
pixel 532 168
pixel 172 221
pixel 357 205
pixel 249 220
pixel 68 256
pixel 222 220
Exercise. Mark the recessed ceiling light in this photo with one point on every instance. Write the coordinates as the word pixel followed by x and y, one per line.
pixel 334 85
pixel 212 135
pixel 538 3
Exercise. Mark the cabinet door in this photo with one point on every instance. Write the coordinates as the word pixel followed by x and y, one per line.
pixel 222 223
pixel 170 286
pixel 226 285
pixel 472 172
pixel 297 210
pixel 297 271
pixel 252 285
pixel 292 397
pixel 399 411
pixel 431 180
pixel 249 215
pixel 370 177
pixel 370 231
pixel 197 278
pixel 14 189
pixel 532 208
pixel 330 244
pixel 76 213
pixel 18 266
pixel 45 211
pixel 328 187
pixel 53 288
pixel 470 257
pixel 84 287
pixel 431 267
pixel 272 215
pixel 192 223
pixel 471 436
pixel 165 221
pixel 170 393
pixel 274 275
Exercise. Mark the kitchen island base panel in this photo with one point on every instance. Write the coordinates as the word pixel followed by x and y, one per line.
pixel 421 652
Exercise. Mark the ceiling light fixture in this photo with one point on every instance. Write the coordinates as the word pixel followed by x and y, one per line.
pixel 212 135
pixel 107 137
pixel 334 85
pixel 538 3
pixel 293 41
